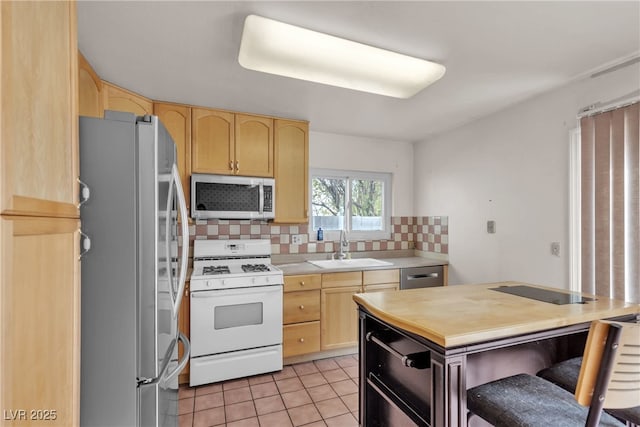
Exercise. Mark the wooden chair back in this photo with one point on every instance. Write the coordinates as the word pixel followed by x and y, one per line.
pixel 610 368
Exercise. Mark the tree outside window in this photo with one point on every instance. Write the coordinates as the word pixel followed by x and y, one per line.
pixel 350 201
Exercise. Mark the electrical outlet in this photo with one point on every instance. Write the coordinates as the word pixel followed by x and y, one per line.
pixel 555 249
pixel 296 239
pixel 491 227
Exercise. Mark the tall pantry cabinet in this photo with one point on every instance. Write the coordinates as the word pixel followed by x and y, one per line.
pixel 39 222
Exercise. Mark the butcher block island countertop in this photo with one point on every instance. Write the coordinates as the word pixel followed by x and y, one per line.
pixel 460 315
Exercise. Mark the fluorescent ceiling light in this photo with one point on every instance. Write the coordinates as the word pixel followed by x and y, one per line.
pixel 278 48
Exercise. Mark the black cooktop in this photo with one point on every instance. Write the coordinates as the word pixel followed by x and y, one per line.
pixel 544 295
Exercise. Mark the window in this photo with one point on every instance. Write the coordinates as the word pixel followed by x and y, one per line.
pixel 357 202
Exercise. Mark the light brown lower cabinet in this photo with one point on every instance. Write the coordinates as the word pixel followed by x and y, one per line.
pixel 339 313
pixel 301 315
pixel 40 318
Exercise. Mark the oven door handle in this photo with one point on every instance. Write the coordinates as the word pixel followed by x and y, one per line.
pixel 221 293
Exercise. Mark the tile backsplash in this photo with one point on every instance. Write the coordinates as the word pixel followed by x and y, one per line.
pixel 425 233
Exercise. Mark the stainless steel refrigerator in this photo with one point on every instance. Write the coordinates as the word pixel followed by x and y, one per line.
pixel 133 272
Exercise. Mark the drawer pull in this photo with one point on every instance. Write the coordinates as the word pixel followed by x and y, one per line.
pixel 302 283
pixel 301 307
pixel 421 360
pixel 301 340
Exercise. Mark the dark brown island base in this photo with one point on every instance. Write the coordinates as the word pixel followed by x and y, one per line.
pixel 421 349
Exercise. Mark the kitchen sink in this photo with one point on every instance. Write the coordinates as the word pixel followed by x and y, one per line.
pixel 350 263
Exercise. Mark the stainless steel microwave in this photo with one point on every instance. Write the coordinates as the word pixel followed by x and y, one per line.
pixel 232 197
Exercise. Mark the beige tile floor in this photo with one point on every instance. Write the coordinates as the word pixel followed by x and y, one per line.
pixel 314 394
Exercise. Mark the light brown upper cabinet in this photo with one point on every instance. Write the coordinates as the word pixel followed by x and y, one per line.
pixel 90 102
pixel 39 109
pixel 231 144
pixel 177 119
pixel 119 99
pixel 254 146
pixel 291 171
pixel 212 141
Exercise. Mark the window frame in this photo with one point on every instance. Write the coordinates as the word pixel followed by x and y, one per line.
pixel 349 175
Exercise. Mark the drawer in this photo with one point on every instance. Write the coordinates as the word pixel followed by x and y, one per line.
pixel 337 280
pixel 301 306
pixel 302 282
pixel 372 277
pixel 301 338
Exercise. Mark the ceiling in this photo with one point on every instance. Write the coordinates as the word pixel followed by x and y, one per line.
pixel 496 54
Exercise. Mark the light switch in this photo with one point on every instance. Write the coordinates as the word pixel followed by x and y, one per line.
pixel 555 248
pixel 491 227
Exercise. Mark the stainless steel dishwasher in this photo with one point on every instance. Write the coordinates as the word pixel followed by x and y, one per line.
pixel 421 277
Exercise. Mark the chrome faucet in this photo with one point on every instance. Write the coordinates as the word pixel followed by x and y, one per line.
pixel 341 245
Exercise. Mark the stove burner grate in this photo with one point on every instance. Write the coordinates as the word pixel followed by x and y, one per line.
pixel 211 269
pixel 252 268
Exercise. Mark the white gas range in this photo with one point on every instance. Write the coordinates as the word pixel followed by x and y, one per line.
pixel 236 310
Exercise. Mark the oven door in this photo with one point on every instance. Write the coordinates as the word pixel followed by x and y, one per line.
pixel 235 319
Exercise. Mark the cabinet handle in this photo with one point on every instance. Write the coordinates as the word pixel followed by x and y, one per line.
pixel 420 360
pixel 230 164
pixel 302 283
pixel 301 340
pixel 301 307
pixel 237 166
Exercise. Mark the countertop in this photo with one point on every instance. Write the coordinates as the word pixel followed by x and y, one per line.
pixel 453 316
pixel 304 267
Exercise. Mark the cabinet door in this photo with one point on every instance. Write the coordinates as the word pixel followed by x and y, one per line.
pixel 90 102
pixel 254 146
pixel 212 141
pixel 291 171
pixel 119 99
pixel 338 318
pixel 177 119
pixel 40 317
pixel 39 109
pixel 184 318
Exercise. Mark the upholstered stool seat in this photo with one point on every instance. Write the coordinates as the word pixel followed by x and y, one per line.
pixel 527 401
pixel 566 373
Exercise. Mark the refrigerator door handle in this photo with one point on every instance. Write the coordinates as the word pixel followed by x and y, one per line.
pixel 185 358
pixel 182 204
pixel 167 236
pixel 167 358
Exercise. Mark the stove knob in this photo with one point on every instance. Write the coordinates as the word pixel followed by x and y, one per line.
pixel 208 283
pixel 253 280
pixel 223 283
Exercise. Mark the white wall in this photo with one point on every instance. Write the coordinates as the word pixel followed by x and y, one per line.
pixel 333 151
pixel 511 167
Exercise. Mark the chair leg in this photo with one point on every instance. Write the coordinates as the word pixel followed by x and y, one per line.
pixel 602 381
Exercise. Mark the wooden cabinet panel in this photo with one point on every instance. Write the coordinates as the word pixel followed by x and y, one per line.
pixel 253 145
pixel 184 324
pixel 40 316
pixel 177 119
pixel 39 109
pixel 90 100
pixel 338 318
pixel 370 277
pixel 349 278
pixel 291 171
pixel 302 282
pixel 301 338
pixel 213 139
pixel 119 99
pixel 301 306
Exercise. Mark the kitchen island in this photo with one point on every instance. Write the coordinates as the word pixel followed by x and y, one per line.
pixel 421 349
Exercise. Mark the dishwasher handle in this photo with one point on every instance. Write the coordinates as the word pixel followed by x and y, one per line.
pixel 421 276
